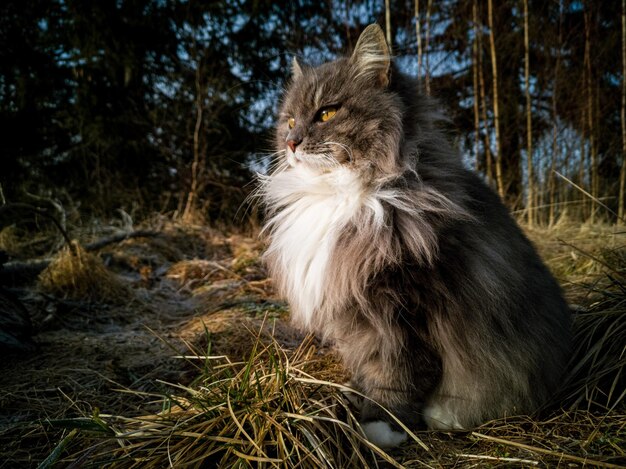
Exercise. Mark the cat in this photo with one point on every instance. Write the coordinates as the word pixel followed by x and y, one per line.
pixel 384 243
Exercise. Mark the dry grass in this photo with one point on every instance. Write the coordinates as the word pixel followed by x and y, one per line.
pixel 597 378
pixel 19 243
pixel 279 408
pixel 75 273
pixel 259 400
pixel 273 409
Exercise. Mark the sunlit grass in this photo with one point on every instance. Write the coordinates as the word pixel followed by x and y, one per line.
pixel 270 410
pixel 278 405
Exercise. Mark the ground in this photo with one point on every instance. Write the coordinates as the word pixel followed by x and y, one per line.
pixel 126 346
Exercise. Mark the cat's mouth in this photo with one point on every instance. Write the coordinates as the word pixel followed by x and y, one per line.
pixel 329 159
pixel 323 161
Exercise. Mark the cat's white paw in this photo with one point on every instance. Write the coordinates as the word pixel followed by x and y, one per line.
pixel 382 435
pixel 439 418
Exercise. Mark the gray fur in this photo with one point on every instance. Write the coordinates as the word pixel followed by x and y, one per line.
pixel 437 303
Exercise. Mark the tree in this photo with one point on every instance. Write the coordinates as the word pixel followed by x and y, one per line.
pixel 622 176
pixel 166 103
pixel 529 126
pixel 496 104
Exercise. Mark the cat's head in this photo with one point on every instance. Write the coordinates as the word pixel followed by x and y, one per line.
pixel 342 112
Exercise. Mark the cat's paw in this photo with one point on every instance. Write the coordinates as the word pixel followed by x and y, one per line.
pixel 382 435
pixel 438 417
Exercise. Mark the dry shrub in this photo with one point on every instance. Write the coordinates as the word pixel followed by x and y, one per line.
pixel 75 273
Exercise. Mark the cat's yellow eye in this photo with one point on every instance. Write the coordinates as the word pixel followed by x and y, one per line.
pixel 328 113
pixel 291 122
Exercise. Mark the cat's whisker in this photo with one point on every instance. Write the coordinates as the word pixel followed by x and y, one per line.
pixel 332 161
pixel 274 155
pixel 322 158
pixel 255 197
pixel 277 167
pixel 347 149
pixel 277 164
pixel 261 157
pixel 270 152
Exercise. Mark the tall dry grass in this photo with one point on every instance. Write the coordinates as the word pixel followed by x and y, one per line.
pixel 280 407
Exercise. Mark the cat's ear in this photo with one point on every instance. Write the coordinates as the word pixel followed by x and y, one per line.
pixel 371 55
pixel 296 70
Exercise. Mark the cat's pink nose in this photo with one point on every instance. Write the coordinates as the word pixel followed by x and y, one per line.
pixel 292 144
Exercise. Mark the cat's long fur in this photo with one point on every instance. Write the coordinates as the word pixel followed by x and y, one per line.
pixel 384 243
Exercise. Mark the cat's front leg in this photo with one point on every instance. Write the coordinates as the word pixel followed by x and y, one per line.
pixel 397 378
pixel 378 425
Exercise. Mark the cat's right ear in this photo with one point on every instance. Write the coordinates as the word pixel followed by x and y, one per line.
pixel 296 70
pixel 371 55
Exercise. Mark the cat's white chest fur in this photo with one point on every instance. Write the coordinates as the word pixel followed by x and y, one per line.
pixel 313 210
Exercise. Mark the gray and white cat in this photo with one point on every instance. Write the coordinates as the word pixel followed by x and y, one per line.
pixel 384 243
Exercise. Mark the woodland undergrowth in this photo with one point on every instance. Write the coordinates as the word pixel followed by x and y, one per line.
pixel 198 367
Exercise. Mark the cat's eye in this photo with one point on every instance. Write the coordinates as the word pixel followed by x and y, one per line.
pixel 291 122
pixel 328 113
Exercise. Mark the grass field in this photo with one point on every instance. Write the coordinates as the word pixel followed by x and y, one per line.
pixel 173 351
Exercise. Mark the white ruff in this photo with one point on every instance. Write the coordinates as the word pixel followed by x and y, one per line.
pixel 311 211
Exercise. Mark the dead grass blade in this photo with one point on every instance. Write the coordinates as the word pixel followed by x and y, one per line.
pixel 555 454
pixel 595 199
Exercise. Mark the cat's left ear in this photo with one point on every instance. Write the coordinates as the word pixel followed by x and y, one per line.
pixel 296 70
pixel 371 55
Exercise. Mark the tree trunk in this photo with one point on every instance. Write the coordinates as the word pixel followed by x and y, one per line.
pixel 475 84
pixel 388 23
pixel 583 156
pixel 590 116
pixel 429 6
pixel 195 166
pixel 555 147
pixel 622 173
pixel 496 118
pixel 418 34
pixel 529 127
pixel 483 108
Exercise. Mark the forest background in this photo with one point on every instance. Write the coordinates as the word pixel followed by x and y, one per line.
pixel 134 303
pixel 168 106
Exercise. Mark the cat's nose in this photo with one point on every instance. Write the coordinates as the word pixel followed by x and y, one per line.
pixel 293 144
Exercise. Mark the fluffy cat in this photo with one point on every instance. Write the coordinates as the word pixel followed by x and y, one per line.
pixel 384 243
